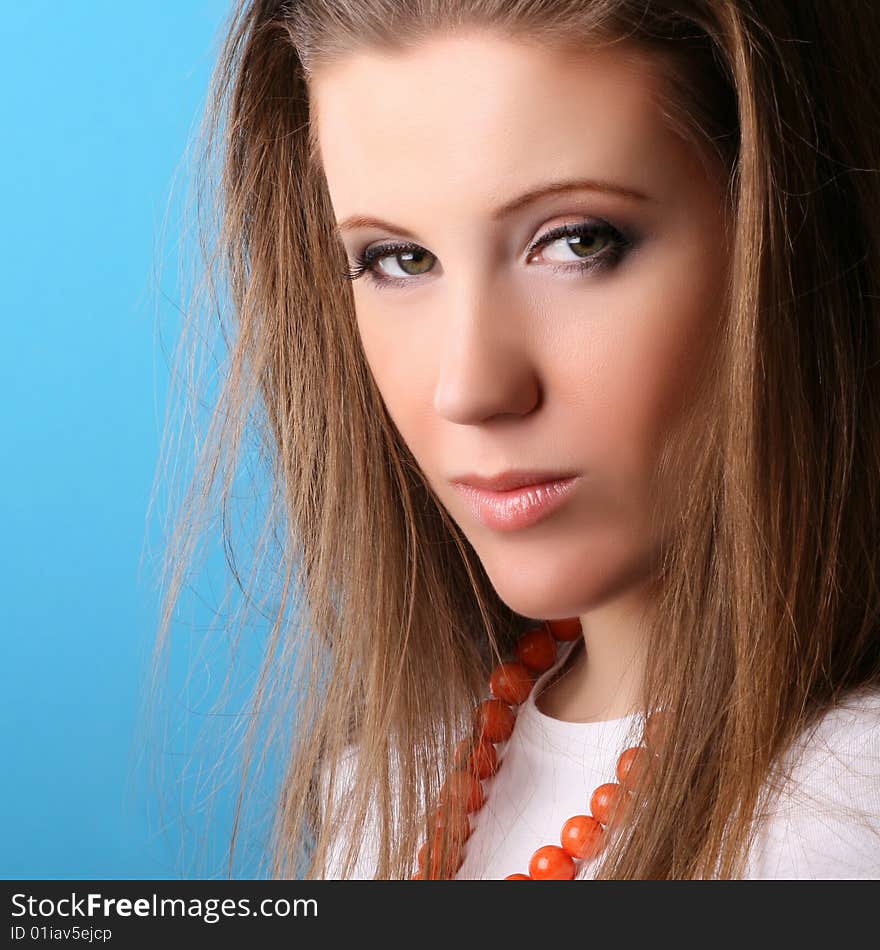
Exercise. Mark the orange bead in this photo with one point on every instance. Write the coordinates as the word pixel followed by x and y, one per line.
pixel 517 877
pixel 495 720
pixel 582 837
pixel 551 863
pixel 511 682
pixel 454 852
pixel 476 755
pixel 631 765
pixel 484 759
pixel 462 790
pixel 455 817
pixel 456 835
pixel 461 755
pixel 569 629
pixel 604 802
pixel 438 866
pixel 536 649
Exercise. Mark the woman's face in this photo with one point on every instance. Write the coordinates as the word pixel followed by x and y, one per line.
pixel 497 346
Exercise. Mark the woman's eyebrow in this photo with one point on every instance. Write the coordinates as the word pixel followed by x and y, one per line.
pixel 515 204
pixel 568 184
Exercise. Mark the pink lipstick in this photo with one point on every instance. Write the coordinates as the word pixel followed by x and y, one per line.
pixel 515 500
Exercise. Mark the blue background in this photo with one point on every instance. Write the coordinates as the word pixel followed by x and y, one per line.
pixel 99 102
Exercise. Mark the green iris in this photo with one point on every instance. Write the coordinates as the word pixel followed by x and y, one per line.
pixel 415 262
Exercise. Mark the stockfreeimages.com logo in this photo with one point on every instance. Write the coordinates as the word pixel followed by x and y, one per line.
pixel 210 910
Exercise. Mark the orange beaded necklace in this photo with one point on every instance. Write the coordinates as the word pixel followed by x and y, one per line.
pixel 582 836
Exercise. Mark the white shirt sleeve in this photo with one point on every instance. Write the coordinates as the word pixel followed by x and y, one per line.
pixel 825 824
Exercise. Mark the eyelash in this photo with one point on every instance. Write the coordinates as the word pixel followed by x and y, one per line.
pixel 606 258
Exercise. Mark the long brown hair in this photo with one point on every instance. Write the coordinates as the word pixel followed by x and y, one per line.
pixel 384 625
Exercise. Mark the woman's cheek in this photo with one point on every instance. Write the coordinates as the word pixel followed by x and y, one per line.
pixel 402 367
pixel 656 344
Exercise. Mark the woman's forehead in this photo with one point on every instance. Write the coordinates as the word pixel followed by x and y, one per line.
pixel 481 118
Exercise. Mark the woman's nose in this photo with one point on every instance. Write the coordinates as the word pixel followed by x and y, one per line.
pixel 484 366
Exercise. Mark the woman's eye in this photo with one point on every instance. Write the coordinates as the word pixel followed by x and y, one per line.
pixel 409 263
pixel 581 248
pixel 582 245
pixel 391 264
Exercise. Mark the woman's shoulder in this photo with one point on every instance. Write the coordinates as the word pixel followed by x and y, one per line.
pixel 821 818
pixel 844 744
pixel 366 834
pixel 847 733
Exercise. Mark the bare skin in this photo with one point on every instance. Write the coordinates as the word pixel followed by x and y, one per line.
pixel 491 354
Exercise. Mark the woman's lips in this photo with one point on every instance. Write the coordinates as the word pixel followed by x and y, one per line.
pixel 518 507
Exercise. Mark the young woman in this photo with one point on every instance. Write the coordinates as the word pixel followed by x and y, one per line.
pixel 563 322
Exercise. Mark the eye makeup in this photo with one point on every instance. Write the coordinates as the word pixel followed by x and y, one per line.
pixel 615 246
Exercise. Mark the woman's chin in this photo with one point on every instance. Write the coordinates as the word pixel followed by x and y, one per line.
pixel 565 584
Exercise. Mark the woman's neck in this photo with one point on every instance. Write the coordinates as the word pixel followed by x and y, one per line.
pixel 602 676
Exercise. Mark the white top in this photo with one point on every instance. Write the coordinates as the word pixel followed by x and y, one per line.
pixel 825 824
